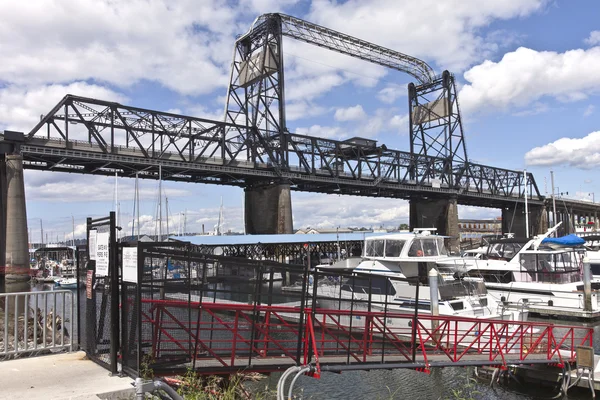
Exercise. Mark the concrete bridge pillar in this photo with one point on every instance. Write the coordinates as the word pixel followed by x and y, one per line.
pixel 513 220
pixel 268 208
pixel 16 243
pixel 440 214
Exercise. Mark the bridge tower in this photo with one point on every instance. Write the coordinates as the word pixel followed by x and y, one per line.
pixel 439 153
pixel 256 101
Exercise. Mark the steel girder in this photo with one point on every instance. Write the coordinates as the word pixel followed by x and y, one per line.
pixel 90 136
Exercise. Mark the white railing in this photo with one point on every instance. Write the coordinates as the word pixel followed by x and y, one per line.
pixel 35 322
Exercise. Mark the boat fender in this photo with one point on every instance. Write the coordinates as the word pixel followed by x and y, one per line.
pixel 550 303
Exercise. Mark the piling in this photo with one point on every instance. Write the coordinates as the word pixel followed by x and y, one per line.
pixel 587 285
pixel 17 252
pixel 434 297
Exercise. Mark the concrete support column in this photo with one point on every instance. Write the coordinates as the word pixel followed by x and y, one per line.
pixel 440 214
pixel 268 209
pixel 538 220
pixel 513 220
pixel 17 246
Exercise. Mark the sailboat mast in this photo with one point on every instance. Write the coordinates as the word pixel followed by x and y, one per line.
pixel 73 222
pixel 526 209
pixel 167 212
pixel 160 203
pixel 116 209
pixel 137 196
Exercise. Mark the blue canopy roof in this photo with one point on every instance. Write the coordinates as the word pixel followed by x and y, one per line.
pixel 271 239
pixel 569 240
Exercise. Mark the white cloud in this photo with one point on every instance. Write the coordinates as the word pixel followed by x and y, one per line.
pixel 355 113
pixel 454 43
pixel 328 132
pixel 391 93
pixel 177 44
pixel 524 76
pixel 581 153
pixel 589 110
pixel 593 39
pixel 21 107
pixel 302 109
pixel 50 186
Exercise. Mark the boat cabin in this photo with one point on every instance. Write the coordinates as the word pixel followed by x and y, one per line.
pixel 504 249
pixel 402 246
pixel 551 266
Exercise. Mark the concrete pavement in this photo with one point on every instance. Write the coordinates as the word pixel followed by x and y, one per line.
pixel 60 376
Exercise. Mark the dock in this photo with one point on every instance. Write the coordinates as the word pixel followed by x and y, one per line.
pixel 557 312
pixel 61 376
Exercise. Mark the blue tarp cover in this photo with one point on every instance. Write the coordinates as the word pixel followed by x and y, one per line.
pixel 569 240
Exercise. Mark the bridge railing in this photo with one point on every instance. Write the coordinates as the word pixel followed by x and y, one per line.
pixel 36 322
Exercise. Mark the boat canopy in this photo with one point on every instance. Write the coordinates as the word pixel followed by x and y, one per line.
pixel 569 240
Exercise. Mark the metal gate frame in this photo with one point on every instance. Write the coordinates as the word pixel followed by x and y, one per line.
pixel 109 306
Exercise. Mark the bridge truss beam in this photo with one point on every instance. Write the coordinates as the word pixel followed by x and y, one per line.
pixel 90 136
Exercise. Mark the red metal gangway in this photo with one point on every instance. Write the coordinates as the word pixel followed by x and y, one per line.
pixel 225 337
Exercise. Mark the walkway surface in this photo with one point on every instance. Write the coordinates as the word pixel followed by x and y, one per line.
pixel 61 376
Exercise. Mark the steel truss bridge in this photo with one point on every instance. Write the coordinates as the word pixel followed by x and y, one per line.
pixel 252 145
pixel 90 136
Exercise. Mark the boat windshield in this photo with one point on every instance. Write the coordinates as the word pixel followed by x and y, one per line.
pixel 552 267
pixel 503 251
pixel 384 247
pixel 427 247
pixel 456 289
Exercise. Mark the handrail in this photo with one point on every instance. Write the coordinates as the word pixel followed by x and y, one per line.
pixel 34 322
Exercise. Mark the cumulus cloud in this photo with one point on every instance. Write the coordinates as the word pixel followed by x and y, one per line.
pixel 327 132
pixel 581 153
pixel 21 107
pixel 593 39
pixel 355 113
pixel 525 76
pixel 354 121
pixel 454 43
pixel 391 93
pixel 50 186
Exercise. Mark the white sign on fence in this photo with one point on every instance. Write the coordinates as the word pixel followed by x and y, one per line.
pixel 93 240
pixel 102 255
pixel 130 264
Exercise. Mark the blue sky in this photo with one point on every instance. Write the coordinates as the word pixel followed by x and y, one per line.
pixel 528 73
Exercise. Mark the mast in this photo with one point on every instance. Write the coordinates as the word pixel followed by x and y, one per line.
pixel 160 203
pixel 42 231
pixel 526 210
pixel 137 196
pixel 184 222
pixel 167 212
pixel 116 209
pixel 553 199
pixel 73 222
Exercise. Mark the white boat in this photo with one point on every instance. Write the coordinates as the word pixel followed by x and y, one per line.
pixel 67 283
pixel 521 271
pixel 388 275
pixel 592 247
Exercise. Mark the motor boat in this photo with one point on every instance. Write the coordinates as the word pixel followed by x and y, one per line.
pixel 394 268
pixel 527 271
